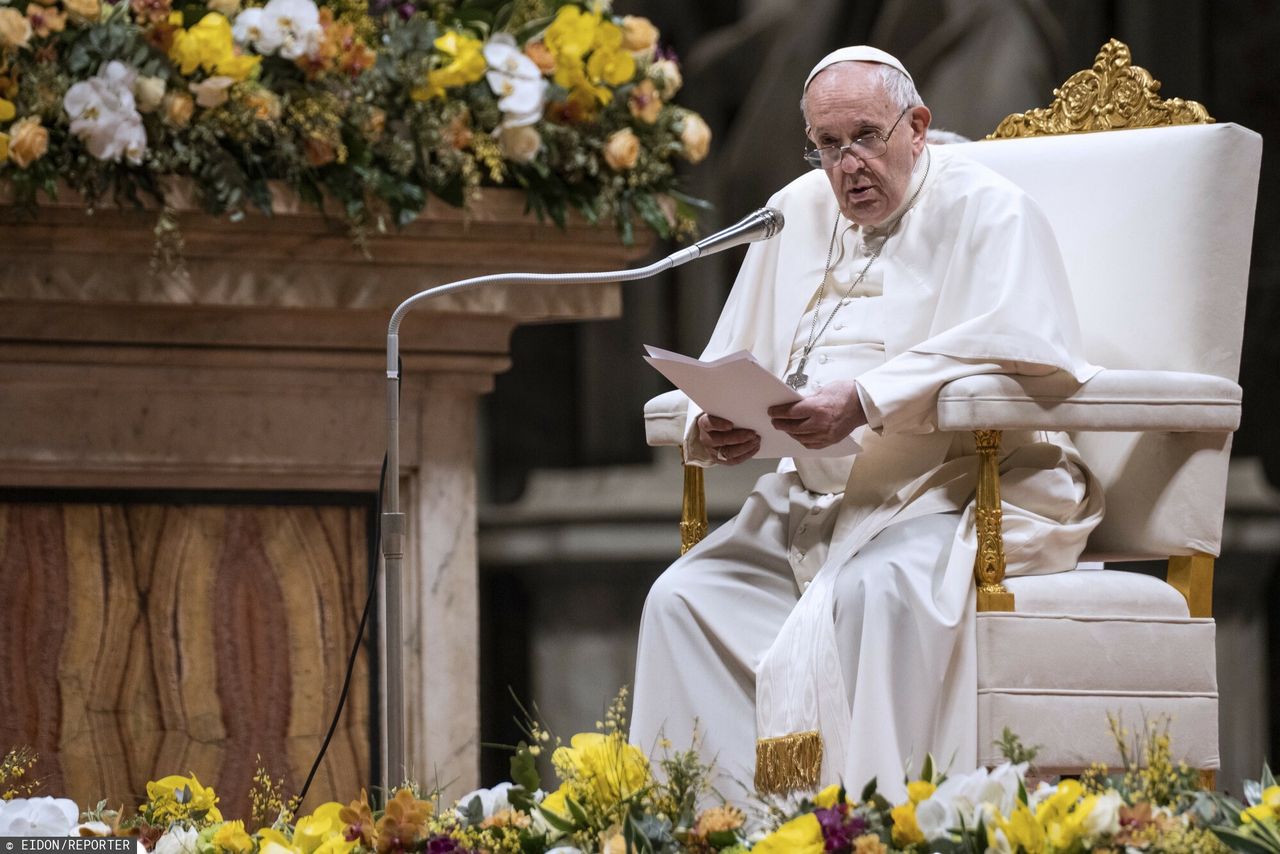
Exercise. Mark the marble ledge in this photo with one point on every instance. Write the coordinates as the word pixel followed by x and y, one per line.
pixel 297 258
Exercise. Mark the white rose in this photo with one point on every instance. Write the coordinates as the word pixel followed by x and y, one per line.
pixel 519 144
pixel 148 92
pixel 666 74
pixel 1104 818
pixel 38 817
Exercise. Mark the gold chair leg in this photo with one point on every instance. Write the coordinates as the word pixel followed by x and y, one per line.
pixel 1192 576
pixel 693 509
pixel 988 564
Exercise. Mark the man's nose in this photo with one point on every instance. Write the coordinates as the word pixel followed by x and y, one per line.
pixel 849 160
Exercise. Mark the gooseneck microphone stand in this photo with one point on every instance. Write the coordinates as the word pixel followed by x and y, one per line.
pixel 761 225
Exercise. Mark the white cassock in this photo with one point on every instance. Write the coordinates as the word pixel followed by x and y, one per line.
pixel 840 601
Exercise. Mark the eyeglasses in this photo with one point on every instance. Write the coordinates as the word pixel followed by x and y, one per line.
pixel 868 146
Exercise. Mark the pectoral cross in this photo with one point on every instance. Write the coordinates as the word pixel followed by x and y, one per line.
pixel 799 378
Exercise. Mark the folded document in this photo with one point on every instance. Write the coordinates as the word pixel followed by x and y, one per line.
pixel 739 388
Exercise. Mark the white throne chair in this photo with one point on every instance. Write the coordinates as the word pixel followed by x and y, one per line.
pixel 1155 222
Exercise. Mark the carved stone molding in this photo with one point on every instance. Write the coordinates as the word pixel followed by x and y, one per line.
pixel 1112 94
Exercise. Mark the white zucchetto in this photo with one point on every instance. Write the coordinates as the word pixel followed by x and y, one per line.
pixel 857 53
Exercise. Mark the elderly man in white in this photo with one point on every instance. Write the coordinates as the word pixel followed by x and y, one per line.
pixel 826 633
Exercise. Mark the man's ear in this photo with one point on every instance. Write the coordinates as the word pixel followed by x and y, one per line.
pixel 920 119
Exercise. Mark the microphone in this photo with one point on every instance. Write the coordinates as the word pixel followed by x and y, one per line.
pixel 761 225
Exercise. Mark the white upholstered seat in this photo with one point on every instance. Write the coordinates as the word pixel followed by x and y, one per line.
pixel 1155 227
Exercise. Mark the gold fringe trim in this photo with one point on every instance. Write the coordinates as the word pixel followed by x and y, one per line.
pixel 788 763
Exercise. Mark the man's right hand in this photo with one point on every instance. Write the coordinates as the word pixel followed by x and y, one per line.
pixel 728 445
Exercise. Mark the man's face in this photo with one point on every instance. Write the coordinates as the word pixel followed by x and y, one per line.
pixel 846 101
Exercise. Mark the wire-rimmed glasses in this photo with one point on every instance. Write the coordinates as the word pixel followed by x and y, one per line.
pixel 867 146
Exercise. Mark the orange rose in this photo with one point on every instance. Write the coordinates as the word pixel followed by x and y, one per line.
pixel 695 136
pixel 15 29
pixel 622 150
pixel 541 56
pixel 28 141
pixel 639 35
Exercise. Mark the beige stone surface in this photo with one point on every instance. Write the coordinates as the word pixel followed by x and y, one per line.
pixel 261 367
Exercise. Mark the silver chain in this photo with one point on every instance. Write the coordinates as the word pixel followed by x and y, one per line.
pixel 814 332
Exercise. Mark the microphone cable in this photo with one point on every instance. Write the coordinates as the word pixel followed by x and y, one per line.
pixel 374 542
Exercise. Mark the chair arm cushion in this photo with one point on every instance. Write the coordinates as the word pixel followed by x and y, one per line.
pixel 664 418
pixel 1126 401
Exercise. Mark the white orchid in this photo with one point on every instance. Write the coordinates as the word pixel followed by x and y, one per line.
pixel 970 797
pixel 104 114
pixel 38 817
pixel 516 80
pixel 492 801
pixel 288 27
pixel 178 839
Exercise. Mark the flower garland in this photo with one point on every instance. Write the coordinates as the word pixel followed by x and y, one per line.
pixel 611 801
pixel 375 108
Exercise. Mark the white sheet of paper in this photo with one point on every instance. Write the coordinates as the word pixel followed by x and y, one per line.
pixel 739 388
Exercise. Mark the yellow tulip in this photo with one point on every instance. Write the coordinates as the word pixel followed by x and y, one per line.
pixel 920 790
pixel 906 830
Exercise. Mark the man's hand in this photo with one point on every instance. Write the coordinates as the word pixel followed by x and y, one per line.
pixel 729 445
pixel 823 419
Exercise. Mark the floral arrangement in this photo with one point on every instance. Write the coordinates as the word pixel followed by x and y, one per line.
pixel 374 107
pixel 612 800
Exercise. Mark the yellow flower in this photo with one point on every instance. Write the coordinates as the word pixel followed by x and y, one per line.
pixel 209 46
pixel 557 801
pixel 29 141
pixel 801 835
pixel 602 769
pixel 1020 829
pixel 313 831
pixel 1271 797
pixel 610 62
pixel 272 841
pixel 7 110
pixel 906 831
pixel 232 838
pixel 178 797
pixel 920 790
pixel 466 65
pixel 826 799
pixel 1258 812
pixel 4 147
pixel 571 34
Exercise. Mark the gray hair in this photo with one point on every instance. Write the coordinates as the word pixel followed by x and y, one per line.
pixel 897 86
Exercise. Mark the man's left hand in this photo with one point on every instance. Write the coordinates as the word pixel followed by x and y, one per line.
pixel 823 419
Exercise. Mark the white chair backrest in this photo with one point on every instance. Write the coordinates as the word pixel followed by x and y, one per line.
pixel 1155 226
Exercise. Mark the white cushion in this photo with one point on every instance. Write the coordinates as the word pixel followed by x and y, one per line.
pixel 1112 400
pixel 1097 593
pixel 1096 655
pixel 1073 729
pixel 664 418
